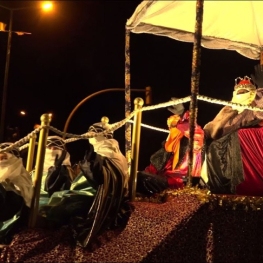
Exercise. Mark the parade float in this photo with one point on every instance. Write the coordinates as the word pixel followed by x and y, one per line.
pixel 186 225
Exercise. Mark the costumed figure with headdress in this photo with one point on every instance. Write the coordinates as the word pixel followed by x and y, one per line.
pixel 234 142
pixel 106 146
pixel 57 172
pixel 97 199
pixel 16 189
pixel 171 161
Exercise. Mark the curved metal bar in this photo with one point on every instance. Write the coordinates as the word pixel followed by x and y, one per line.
pixel 147 92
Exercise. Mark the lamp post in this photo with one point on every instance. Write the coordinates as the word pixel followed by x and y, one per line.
pixel 46 6
pixel 7 63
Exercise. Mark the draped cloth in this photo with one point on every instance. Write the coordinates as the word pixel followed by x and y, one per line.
pixel 234 163
pixel 251 141
pixel 224 164
pixel 171 161
pixel 234 157
pixel 14 177
pixel 172 144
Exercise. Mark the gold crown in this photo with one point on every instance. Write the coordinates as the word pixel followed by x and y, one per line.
pixel 244 83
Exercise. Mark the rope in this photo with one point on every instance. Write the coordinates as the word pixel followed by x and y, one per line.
pixel 24 147
pixel 166 104
pixel 22 143
pixel 152 127
pixel 228 103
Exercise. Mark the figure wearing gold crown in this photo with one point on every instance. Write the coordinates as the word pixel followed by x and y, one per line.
pixel 234 142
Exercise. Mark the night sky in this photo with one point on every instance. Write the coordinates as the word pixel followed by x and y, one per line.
pixel 78 49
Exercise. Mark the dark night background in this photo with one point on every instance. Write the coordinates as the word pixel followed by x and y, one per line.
pixel 78 49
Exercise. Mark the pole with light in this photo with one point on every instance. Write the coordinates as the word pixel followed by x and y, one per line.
pixel 7 63
pixel 45 6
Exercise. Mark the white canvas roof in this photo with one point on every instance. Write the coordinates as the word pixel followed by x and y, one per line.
pixel 232 25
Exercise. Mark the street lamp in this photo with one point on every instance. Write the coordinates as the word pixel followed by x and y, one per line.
pixel 46 6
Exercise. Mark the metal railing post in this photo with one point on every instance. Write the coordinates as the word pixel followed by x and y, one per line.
pixel 136 133
pixel 31 151
pixel 41 150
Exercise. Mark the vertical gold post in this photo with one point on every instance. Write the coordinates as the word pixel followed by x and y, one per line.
pixel 31 151
pixel 136 133
pixel 41 150
pixel 148 95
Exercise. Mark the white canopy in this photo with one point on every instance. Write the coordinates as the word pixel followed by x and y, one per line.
pixel 232 25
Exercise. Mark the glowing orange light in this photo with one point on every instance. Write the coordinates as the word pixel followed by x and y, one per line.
pixel 47 6
pixel 22 112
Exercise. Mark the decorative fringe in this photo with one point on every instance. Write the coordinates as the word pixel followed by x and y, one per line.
pixel 228 202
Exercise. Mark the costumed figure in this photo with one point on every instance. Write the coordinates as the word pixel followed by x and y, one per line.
pixel 16 190
pixel 97 199
pixel 106 146
pixel 57 172
pixel 234 154
pixel 171 161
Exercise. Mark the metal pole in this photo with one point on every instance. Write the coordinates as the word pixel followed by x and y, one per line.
pixel 148 95
pixel 82 102
pixel 196 61
pixel 127 80
pixel 31 151
pixel 135 147
pixel 91 96
pixel 7 63
pixel 41 150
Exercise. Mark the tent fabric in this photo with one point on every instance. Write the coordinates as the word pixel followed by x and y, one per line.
pixel 231 25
